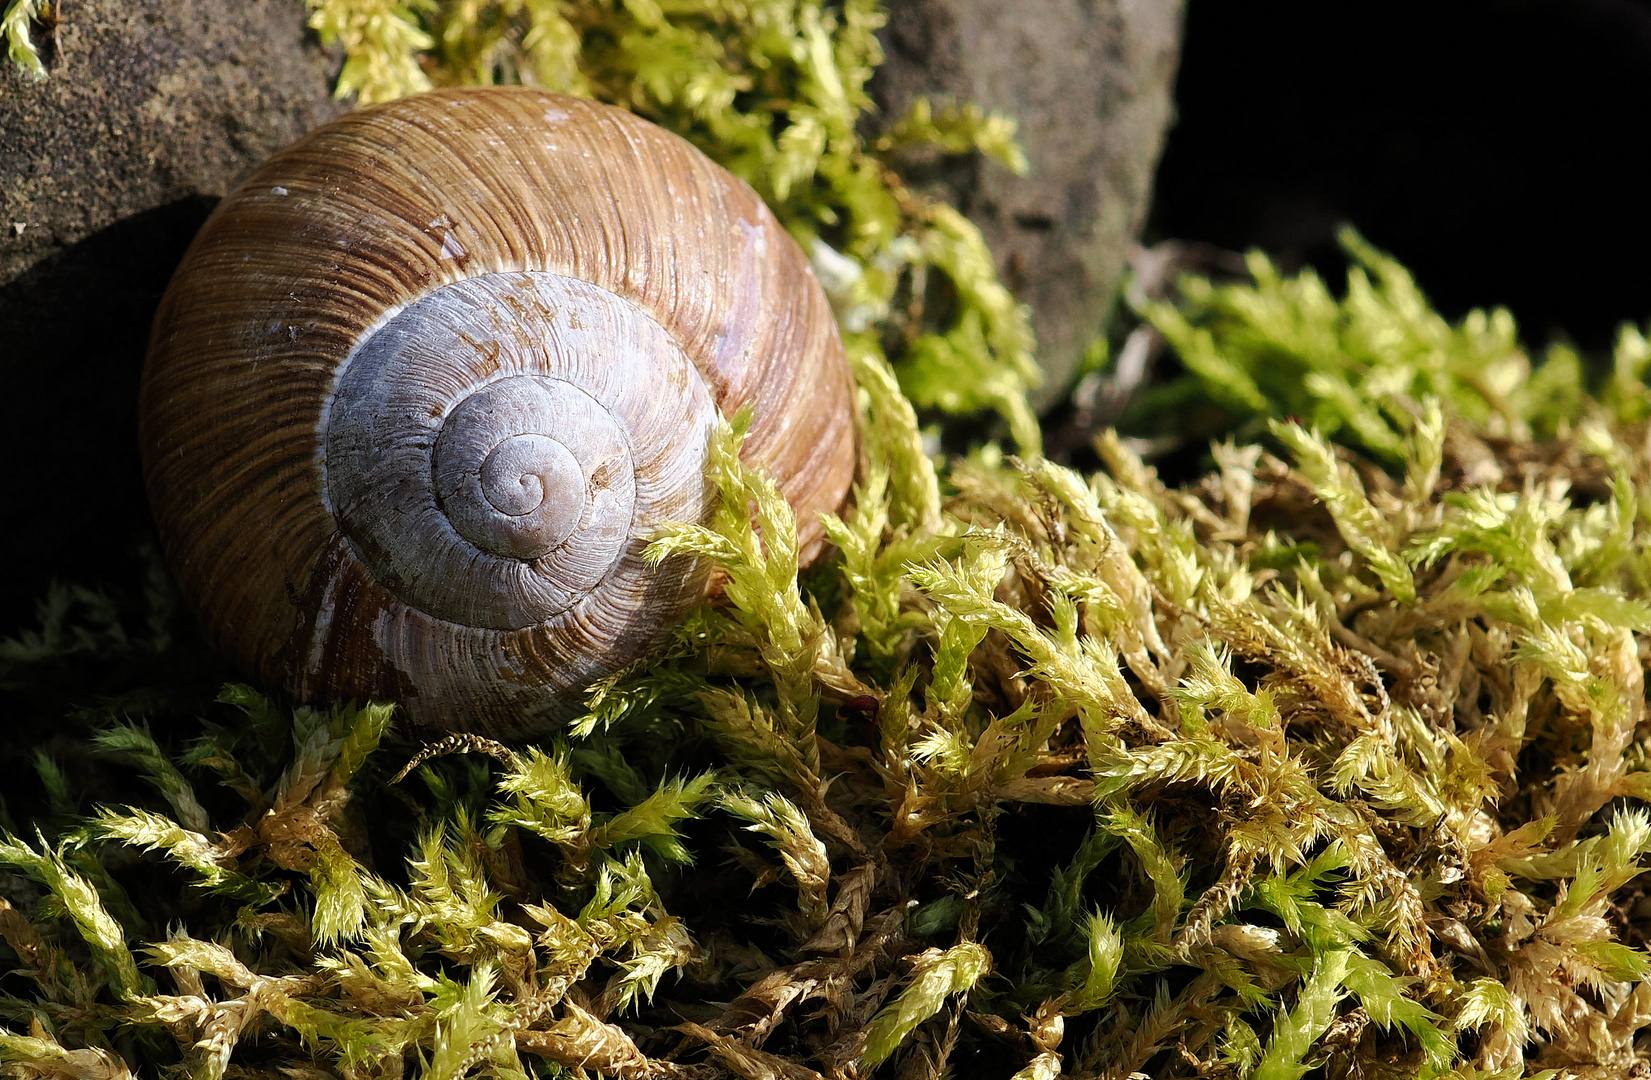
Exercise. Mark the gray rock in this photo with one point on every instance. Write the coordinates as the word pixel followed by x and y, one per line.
pixel 152 110
pixel 149 102
pixel 1091 83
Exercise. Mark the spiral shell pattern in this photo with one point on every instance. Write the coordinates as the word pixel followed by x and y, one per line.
pixel 426 384
pixel 489 457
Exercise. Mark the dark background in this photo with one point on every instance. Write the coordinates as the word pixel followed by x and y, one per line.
pixel 1496 147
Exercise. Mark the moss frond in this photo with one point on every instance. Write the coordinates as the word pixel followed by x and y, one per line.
pixel 14 27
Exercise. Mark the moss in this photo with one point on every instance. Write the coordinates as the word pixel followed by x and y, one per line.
pixel 1332 761
pixel 15 25
pixel 1372 808
pixel 1355 366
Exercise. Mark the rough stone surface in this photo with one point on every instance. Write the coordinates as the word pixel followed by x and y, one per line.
pixel 149 102
pixel 1091 84
pixel 153 109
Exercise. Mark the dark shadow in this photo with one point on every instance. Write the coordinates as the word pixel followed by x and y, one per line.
pixel 73 332
pixel 1492 146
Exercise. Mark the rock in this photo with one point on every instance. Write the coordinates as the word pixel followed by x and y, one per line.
pixel 1090 82
pixel 149 102
pixel 152 110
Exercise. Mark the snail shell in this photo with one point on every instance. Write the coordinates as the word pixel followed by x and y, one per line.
pixel 424 386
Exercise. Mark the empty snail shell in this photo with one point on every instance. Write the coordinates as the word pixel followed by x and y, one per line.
pixel 425 385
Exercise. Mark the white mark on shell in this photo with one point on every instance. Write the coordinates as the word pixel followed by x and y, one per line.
pixel 322 628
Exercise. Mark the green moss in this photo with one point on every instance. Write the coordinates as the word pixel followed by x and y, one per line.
pixel 1339 767
pixel 1332 762
pixel 1357 367
pixel 14 27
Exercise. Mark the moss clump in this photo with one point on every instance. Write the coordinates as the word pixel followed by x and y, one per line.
pixel 1310 765
pixel 15 24
pixel 1352 366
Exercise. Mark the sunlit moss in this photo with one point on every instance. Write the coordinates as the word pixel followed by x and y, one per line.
pixel 1370 805
pixel 15 24
pixel 1334 759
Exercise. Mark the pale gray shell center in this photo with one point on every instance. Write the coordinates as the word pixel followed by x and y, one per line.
pixel 508 487
pixel 534 476
pixel 497 450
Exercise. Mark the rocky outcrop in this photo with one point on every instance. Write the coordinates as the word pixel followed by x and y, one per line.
pixel 1091 83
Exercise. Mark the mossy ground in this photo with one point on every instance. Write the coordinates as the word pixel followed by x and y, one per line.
pixel 1330 760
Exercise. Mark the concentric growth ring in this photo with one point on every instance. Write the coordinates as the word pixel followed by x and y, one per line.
pixel 529 465
pixel 494 450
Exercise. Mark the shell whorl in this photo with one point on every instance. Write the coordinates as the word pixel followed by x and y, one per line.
pixel 491 450
pixel 426 383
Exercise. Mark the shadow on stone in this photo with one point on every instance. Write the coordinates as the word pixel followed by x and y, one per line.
pixel 74 330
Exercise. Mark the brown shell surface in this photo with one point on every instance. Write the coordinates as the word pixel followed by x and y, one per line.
pixel 366 216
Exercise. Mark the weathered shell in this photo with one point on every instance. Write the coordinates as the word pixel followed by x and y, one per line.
pixel 425 384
